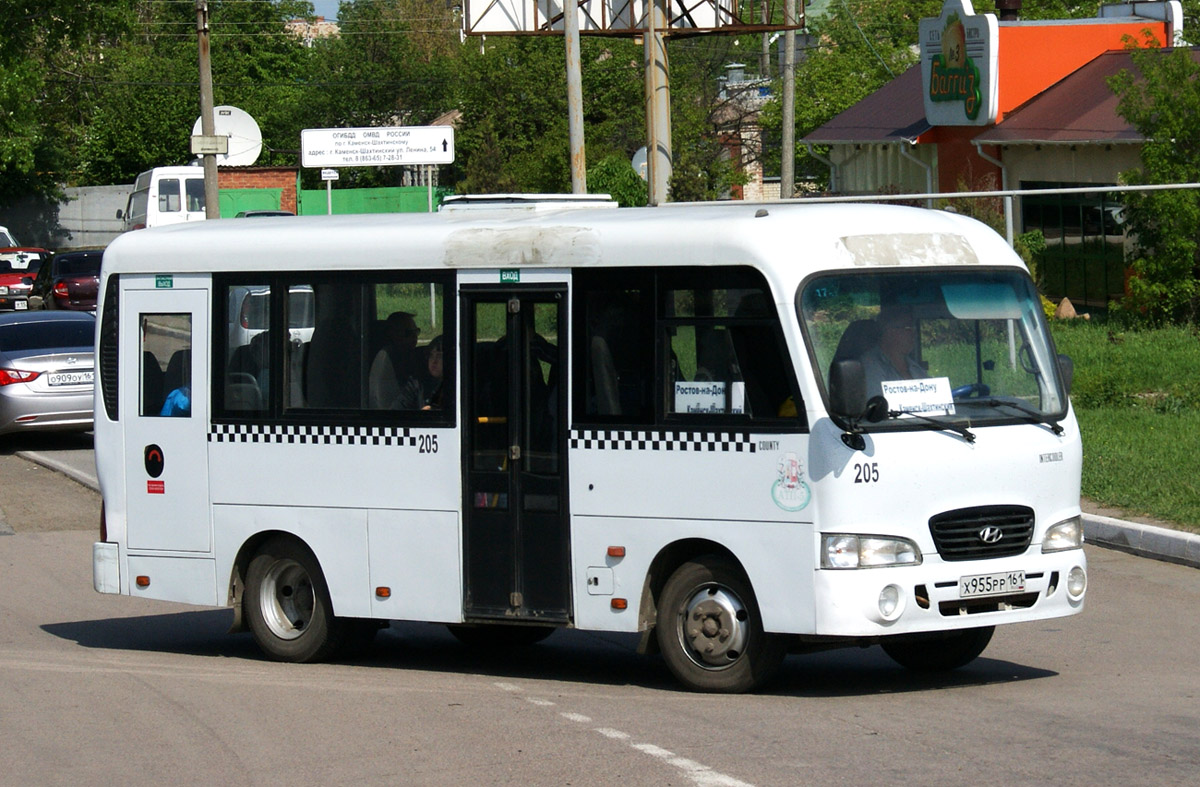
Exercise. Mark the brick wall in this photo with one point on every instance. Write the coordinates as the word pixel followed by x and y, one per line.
pixel 262 178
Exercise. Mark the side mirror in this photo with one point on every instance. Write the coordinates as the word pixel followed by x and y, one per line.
pixel 1066 367
pixel 35 301
pixel 120 213
pixel 27 280
pixel 847 390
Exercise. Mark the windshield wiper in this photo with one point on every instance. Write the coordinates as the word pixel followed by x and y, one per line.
pixel 1035 416
pixel 966 434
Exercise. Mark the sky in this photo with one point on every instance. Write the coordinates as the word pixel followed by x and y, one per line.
pixel 326 8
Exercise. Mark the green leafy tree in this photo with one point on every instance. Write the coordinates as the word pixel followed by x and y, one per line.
pixel 48 52
pixel 1162 101
pixel 614 175
pixel 142 112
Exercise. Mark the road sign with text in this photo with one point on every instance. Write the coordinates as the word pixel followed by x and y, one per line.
pixel 376 147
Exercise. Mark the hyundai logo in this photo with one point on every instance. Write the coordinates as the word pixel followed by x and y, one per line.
pixel 991 535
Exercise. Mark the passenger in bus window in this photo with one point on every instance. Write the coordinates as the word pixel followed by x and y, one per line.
pixel 891 358
pixel 396 363
pixel 423 391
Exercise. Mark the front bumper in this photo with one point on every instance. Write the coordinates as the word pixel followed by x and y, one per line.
pixel 848 601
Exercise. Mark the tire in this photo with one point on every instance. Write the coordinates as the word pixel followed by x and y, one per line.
pixel 939 652
pixel 710 631
pixel 287 606
pixel 499 636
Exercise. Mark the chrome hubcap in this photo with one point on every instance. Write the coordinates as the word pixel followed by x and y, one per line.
pixel 287 599
pixel 714 627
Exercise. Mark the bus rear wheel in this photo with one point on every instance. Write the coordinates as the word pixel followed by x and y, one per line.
pixel 939 652
pixel 287 604
pixel 710 631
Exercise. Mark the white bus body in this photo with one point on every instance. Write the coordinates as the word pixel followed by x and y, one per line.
pixel 646 420
pixel 165 195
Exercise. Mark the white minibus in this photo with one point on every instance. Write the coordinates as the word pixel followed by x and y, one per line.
pixel 165 195
pixel 740 430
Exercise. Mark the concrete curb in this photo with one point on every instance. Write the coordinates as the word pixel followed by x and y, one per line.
pixel 86 479
pixel 1160 543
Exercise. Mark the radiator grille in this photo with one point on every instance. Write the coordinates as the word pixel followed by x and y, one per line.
pixel 982 532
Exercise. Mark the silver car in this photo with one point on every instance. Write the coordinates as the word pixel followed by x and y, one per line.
pixel 46 371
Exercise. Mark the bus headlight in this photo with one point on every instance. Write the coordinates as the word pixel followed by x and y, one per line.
pixel 841 550
pixel 1067 534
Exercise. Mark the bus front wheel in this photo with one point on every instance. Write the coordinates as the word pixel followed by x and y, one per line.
pixel 287 604
pixel 939 652
pixel 709 628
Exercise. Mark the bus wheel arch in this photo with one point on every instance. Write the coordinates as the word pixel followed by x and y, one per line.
pixel 707 624
pixel 285 600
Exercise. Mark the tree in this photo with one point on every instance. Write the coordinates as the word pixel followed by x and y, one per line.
pixel 48 49
pixel 1161 98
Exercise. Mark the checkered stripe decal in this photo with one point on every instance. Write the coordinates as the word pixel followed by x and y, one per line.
pixel 311 435
pixel 716 442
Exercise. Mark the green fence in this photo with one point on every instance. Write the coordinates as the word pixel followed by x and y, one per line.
pixel 234 201
pixel 396 199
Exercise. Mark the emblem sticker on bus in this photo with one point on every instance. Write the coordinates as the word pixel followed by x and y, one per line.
pixel 164 282
pixel 790 492
pixel 512 276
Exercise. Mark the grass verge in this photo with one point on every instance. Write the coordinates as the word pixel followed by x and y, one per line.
pixel 1137 397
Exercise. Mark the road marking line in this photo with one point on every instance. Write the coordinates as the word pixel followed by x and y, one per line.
pixel 609 732
pixel 699 774
pixel 579 717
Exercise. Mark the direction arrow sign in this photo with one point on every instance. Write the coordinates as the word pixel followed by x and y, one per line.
pixel 376 147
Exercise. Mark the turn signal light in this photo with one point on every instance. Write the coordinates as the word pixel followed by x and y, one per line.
pixel 382 592
pixel 143 581
pixel 616 551
pixel 619 603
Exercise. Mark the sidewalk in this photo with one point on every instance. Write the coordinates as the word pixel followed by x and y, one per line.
pixel 1159 543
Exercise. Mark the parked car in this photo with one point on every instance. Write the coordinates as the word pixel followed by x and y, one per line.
pixel 18 267
pixel 251 304
pixel 69 281
pixel 252 214
pixel 6 238
pixel 46 371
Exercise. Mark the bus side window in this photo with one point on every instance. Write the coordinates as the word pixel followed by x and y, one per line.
pixel 725 351
pixel 615 348
pixel 166 391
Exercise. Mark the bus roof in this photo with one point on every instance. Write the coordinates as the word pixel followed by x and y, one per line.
pixel 787 240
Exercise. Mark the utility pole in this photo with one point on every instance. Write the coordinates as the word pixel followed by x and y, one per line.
pixel 787 175
pixel 212 205
pixel 575 98
pixel 658 104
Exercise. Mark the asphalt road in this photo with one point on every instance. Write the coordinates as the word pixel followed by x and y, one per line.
pixel 108 689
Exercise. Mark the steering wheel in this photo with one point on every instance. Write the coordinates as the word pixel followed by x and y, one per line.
pixel 972 391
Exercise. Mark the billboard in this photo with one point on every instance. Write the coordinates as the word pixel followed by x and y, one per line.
pixel 617 17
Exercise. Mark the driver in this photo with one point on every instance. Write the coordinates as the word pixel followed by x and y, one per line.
pixel 891 358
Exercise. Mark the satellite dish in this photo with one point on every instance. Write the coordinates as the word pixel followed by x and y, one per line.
pixel 639 162
pixel 245 139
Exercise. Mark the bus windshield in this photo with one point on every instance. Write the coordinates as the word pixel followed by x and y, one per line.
pixel 957 346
